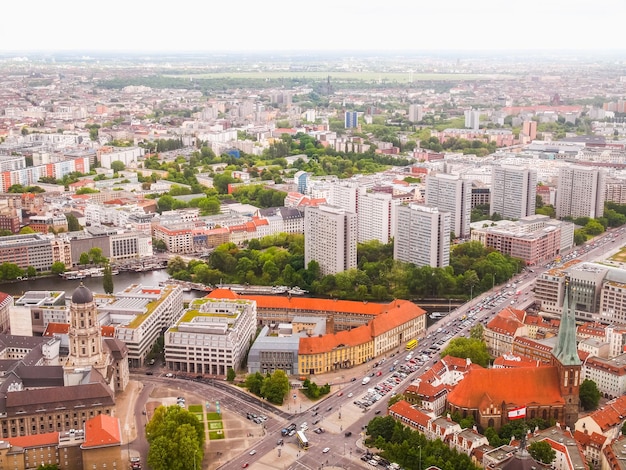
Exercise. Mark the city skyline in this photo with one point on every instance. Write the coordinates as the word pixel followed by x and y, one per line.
pixel 451 25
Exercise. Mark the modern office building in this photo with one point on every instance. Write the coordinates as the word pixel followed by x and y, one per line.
pixel 301 180
pixel 422 236
pixel 330 238
pixel 513 191
pixel 376 217
pixel 351 120
pixel 139 314
pixel 212 336
pixel 580 192
pixel 115 244
pixel 452 194
pixel 34 249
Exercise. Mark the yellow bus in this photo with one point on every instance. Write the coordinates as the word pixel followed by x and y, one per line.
pixel 411 344
pixel 303 442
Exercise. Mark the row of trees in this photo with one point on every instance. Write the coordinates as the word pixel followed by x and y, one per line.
pixel 279 259
pixel 314 391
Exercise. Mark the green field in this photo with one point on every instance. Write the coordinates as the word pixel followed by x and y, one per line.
pixel 345 76
pixel 215 425
pixel 213 435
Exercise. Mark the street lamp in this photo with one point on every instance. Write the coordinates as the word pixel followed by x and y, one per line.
pixel 419 465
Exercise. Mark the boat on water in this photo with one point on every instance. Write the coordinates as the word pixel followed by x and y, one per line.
pixel 73 275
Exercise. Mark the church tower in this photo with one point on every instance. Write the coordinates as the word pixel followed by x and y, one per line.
pixel 85 339
pixel 565 358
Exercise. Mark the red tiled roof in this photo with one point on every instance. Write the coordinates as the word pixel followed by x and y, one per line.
pixel 63 328
pixel 35 440
pixel 397 313
pixel 404 408
pixel 323 343
pixel 595 439
pixel 611 414
pixel 223 294
pixel 493 386
pixel 312 304
pixel 102 430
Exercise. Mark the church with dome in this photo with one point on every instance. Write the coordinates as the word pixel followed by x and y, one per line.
pixel 92 357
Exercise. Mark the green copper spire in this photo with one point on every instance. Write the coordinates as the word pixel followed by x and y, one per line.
pixel 565 350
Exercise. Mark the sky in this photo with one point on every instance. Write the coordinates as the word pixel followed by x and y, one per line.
pixel 321 25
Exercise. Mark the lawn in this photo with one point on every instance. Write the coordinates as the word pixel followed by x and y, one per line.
pixel 214 425
pixel 213 416
pixel 621 256
pixel 195 408
pixel 216 435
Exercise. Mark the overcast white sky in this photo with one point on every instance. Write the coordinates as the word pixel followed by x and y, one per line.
pixel 257 25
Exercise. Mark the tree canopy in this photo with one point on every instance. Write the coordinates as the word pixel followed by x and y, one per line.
pixel 542 451
pixel 176 439
pixel 272 387
pixel 411 449
pixel 589 395
pixel 472 348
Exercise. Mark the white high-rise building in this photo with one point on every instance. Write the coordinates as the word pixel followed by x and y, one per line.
pixel 376 217
pixel 422 236
pixel 416 112
pixel 513 191
pixel 330 237
pixel 472 119
pixel 453 194
pixel 580 192
pixel 345 194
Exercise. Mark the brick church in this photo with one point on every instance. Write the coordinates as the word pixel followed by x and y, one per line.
pixel 494 396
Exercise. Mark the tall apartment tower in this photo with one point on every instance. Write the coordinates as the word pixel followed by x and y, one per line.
pixel 351 119
pixel 472 119
pixel 529 128
pixel 422 236
pixel 416 112
pixel 580 192
pixel 376 217
pixel 513 191
pixel 345 194
pixel 452 194
pixel 330 237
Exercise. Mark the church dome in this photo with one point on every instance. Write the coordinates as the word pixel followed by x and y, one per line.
pixel 82 295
